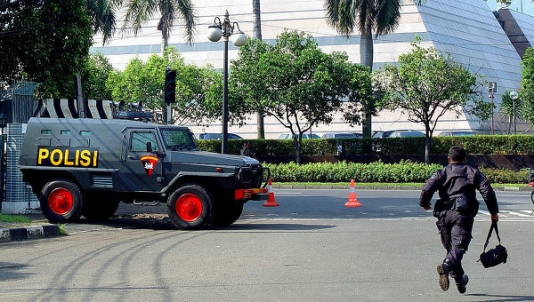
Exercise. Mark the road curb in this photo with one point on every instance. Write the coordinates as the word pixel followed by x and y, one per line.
pixel 29 232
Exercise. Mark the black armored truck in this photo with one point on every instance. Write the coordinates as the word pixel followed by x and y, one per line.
pixel 86 167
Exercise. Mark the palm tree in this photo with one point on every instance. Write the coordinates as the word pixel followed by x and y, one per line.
pixel 102 13
pixel 256 11
pixel 140 11
pixel 378 17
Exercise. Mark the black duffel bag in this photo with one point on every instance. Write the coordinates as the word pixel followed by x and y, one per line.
pixel 494 256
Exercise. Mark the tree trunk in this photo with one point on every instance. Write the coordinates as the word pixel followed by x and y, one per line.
pixel 366 59
pixel 164 39
pixel 427 150
pixel 298 144
pixel 257 19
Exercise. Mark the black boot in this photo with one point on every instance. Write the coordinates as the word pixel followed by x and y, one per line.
pixel 461 283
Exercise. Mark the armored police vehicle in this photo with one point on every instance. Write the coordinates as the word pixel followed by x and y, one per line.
pixel 88 166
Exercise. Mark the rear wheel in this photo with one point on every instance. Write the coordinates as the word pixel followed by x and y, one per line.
pixel 61 201
pixel 190 207
pixel 98 207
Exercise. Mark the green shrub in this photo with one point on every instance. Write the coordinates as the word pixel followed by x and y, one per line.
pixel 502 176
pixel 403 172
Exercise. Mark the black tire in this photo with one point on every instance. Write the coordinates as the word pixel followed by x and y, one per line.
pixel 61 201
pixel 190 207
pixel 98 207
pixel 227 212
pixel 532 197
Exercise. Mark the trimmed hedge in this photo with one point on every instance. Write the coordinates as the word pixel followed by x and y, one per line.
pixel 403 172
pixel 479 144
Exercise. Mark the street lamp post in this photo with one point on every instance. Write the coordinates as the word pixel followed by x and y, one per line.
pixel 3 124
pixel 225 29
pixel 513 96
pixel 492 88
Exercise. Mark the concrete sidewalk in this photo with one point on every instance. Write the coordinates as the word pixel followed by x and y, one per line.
pixel 127 216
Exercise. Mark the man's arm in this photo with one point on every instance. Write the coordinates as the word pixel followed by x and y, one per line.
pixel 488 194
pixel 429 188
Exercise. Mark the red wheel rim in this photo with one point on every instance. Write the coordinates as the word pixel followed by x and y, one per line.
pixel 188 207
pixel 60 201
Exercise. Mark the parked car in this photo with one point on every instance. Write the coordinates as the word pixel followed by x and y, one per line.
pixel 408 133
pixel 385 133
pixel 457 133
pixel 304 136
pixel 218 136
pixel 340 135
pixel 393 133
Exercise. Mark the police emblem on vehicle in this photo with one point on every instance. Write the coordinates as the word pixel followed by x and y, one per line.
pixel 149 163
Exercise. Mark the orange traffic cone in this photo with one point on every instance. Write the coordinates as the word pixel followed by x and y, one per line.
pixel 271 202
pixel 353 200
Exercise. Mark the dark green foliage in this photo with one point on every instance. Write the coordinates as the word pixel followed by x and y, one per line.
pixel 46 42
pixel 475 145
pixel 95 76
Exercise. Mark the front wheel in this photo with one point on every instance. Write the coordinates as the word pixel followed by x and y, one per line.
pixel 190 207
pixel 61 201
pixel 532 197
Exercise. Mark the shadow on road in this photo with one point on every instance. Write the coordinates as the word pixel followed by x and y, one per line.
pixel 276 227
pixel 162 222
pixel 501 298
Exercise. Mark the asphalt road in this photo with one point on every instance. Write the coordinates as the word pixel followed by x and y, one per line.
pixel 310 248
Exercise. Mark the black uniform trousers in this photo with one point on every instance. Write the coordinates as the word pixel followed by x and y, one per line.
pixel 455 231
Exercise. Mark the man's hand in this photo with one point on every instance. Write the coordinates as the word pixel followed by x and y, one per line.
pixel 495 217
pixel 428 207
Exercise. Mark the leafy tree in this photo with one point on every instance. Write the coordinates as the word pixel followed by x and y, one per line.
pixel 293 81
pixel 144 81
pixel 527 85
pixel 94 77
pixel 46 42
pixel 247 84
pixel 12 15
pixel 425 85
pixel 511 110
pixel 139 12
pixel 360 94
